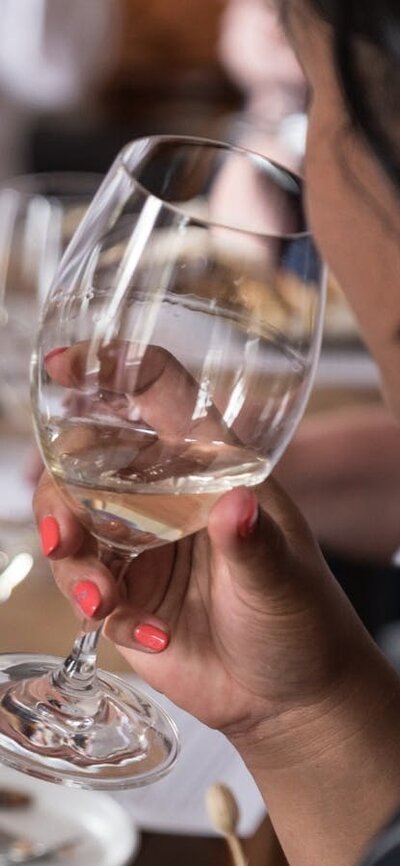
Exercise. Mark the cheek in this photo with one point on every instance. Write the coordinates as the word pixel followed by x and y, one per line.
pixel 326 197
pixel 338 204
pixel 356 231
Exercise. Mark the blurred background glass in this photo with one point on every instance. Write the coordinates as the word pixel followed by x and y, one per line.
pixel 38 215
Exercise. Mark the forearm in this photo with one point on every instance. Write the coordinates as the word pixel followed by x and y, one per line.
pixel 330 776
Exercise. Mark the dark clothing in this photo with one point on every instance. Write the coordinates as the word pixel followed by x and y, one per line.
pixel 386 849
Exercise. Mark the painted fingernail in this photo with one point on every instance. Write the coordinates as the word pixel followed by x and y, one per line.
pixel 151 637
pixel 53 352
pixel 248 523
pixel 87 596
pixel 49 534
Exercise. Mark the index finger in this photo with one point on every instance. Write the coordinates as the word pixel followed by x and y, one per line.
pixel 150 380
pixel 48 501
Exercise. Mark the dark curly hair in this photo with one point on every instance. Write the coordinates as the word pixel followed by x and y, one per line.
pixel 367 52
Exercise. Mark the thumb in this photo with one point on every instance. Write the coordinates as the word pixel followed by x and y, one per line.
pixel 249 541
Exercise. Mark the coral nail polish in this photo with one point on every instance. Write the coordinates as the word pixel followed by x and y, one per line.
pixel 151 637
pixel 87 596
pixel 53 352
pixel 249 522
pixel 49 534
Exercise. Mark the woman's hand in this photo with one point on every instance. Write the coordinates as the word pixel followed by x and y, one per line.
pixel 244 626
pixel 240 610
pixel 246 629
pixel 245 619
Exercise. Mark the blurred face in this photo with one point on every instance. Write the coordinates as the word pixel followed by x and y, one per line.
pixel 354 212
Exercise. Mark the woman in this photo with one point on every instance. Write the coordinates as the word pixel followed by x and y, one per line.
pixel 267 647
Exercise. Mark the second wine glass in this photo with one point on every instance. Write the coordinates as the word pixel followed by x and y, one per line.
pixel 174 360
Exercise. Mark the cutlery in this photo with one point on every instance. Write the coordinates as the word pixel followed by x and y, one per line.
pixel 223 812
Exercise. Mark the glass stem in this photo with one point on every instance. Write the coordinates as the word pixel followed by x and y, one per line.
pixel 77 676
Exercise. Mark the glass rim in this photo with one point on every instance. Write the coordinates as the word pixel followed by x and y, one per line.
pixel 229 148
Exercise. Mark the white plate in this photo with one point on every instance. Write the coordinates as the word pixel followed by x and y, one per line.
pixel 106 832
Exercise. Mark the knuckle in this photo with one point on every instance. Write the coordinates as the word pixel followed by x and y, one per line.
pixel 59 571
pixel 42 492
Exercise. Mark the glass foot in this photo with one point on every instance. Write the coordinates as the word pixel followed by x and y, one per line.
pixel 115 737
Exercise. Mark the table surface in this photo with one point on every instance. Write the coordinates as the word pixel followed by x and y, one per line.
pixel 261 850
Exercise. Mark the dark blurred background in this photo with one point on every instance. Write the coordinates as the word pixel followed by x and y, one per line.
pixel 78 80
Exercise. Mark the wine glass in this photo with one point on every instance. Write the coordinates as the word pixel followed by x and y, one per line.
pixel 175 356
pixel 38 216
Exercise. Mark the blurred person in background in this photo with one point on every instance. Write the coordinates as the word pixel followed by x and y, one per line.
pixel 258 57
pixel 259 60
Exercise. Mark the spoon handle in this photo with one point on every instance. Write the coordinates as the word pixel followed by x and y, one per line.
pixel 236 850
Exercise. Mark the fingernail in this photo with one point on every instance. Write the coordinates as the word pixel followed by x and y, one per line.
pixel 49 534
pixel 248 523
pixel 54 352
pixel 87 596
pixel 151 637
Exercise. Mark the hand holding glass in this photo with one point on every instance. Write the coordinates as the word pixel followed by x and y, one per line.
pixel 174 360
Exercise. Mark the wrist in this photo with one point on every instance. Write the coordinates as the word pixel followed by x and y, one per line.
pixel 365 696
pixel 330 772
